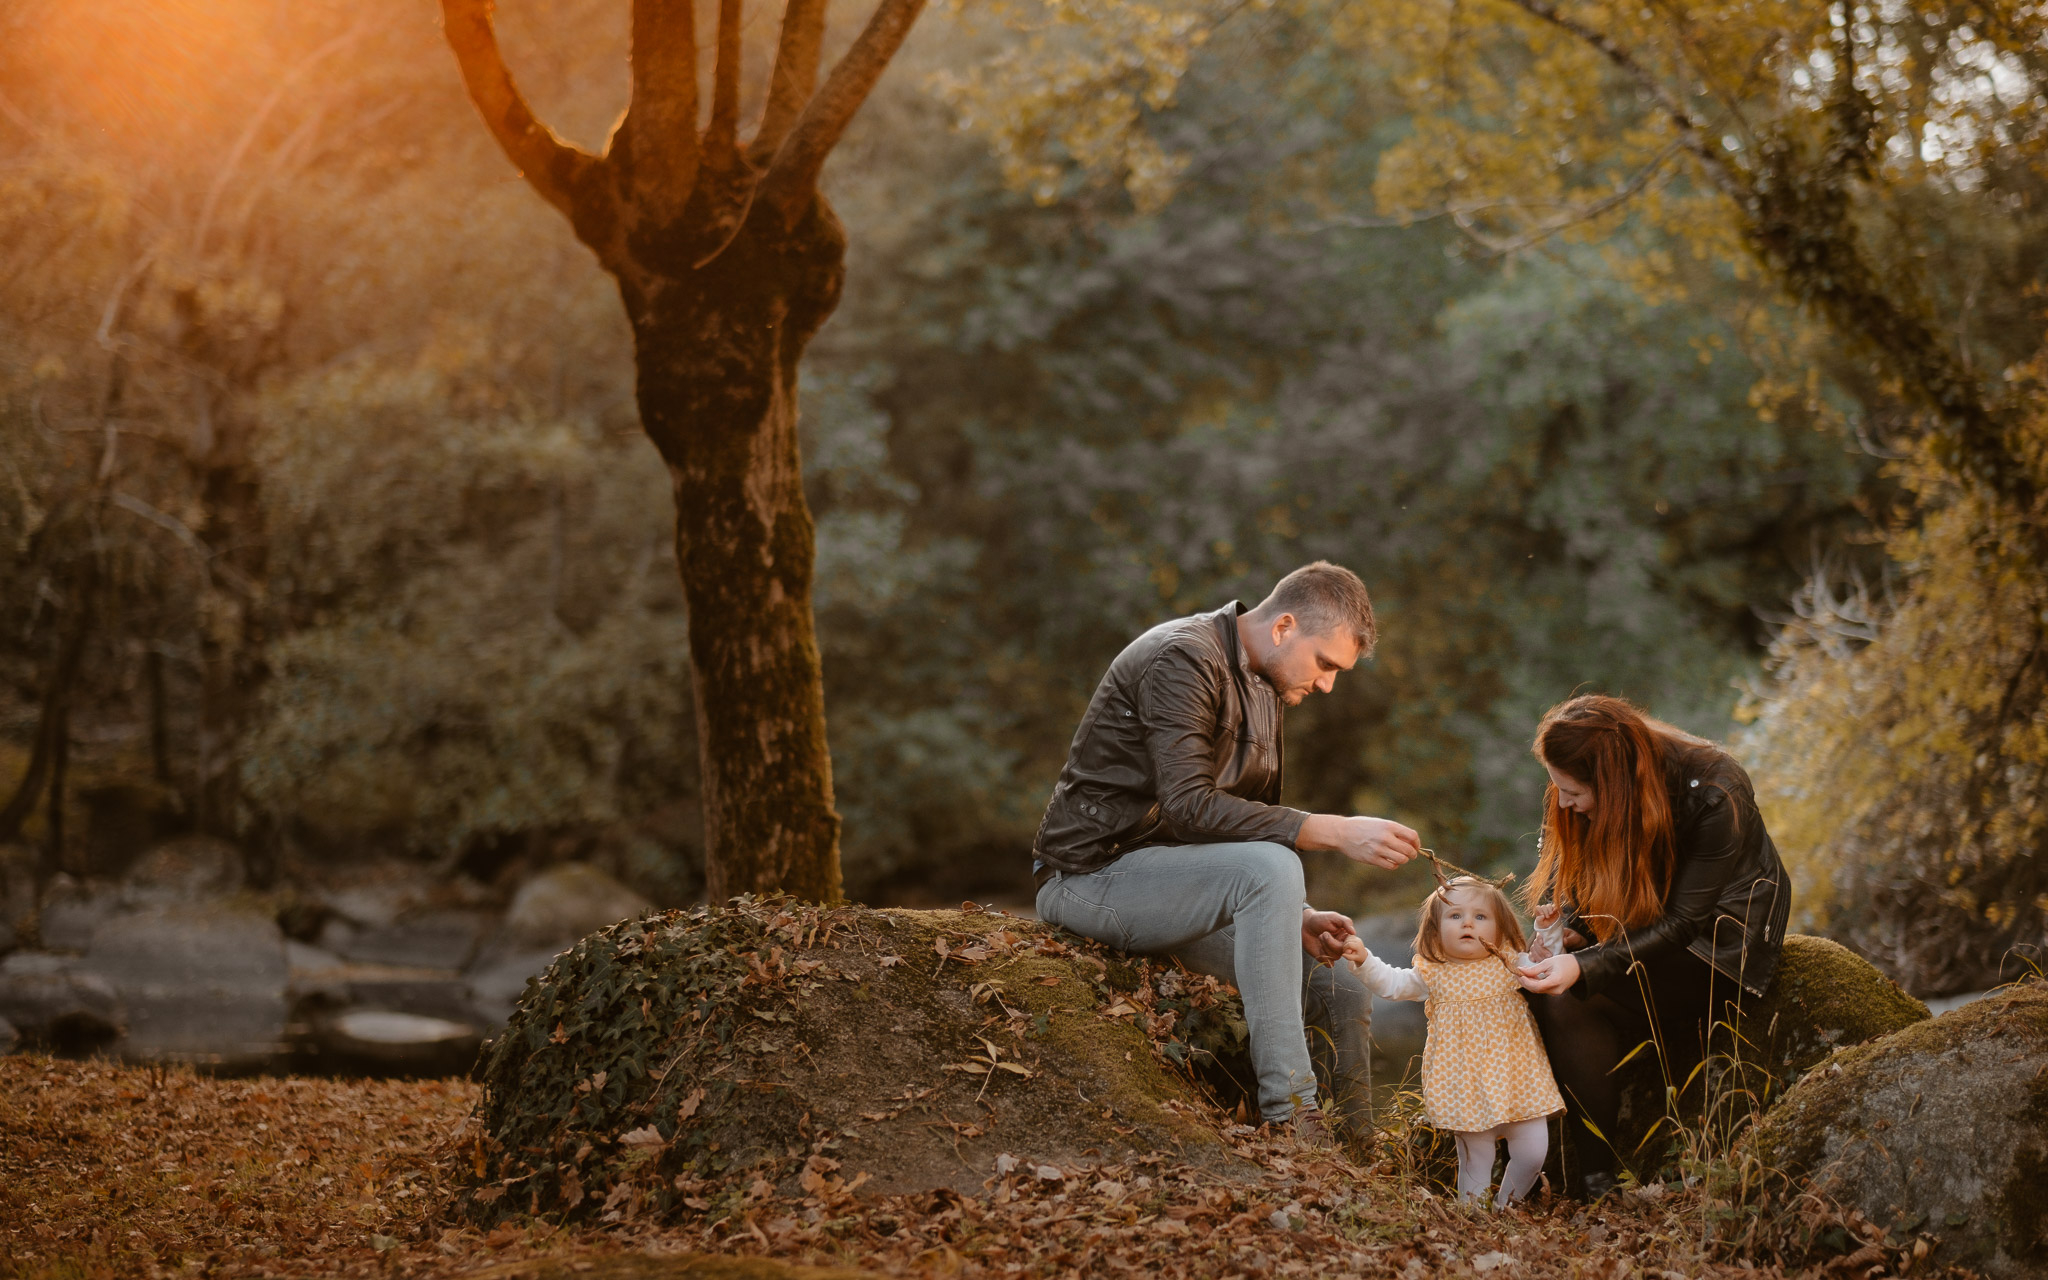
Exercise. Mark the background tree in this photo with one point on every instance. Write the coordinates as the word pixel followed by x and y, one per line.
pixel 728 260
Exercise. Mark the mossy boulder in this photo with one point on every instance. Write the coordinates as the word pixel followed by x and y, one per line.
pixel 1823 997
pixel 669 1066
pixel 1939 1128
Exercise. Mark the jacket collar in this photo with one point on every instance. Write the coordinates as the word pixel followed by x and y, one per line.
pixel 1226 624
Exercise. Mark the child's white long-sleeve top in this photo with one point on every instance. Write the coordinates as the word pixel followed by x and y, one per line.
pixel 1389 983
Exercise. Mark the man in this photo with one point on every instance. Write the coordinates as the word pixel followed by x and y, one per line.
pixel 1164 834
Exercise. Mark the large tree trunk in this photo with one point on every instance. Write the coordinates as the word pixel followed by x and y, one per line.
pixel 717 352
pixel 728 261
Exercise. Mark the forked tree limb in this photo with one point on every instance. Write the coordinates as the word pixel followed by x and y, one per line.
pixel 722 138
pixel 795 77
pixel 792 180
pixel 557 169
pixel 1637 183
pixel 661 119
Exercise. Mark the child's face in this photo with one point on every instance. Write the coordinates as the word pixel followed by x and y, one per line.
pixel 1468 926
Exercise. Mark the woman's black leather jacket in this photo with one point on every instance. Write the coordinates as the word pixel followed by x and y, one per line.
pixel 1729 897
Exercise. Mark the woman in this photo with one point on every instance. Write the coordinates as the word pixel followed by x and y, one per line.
pixel 1674 896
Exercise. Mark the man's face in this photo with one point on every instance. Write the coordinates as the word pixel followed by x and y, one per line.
pixel 1301 663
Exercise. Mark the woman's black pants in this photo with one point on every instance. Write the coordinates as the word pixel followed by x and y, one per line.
pixel 1673 999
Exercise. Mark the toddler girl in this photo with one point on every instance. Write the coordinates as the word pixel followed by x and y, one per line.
pixel 1484 1073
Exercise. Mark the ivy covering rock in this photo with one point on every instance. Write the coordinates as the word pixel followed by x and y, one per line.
pixel 682 1063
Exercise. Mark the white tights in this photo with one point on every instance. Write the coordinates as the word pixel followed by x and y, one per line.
pixel 1528 1143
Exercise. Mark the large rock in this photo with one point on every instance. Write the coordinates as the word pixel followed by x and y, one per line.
pixel 72 911
pixel 665 1062
pixel 499 978
pixel 1822 997
pixel 53 1001
pixel 203 983
pixel 565 902
pixel 186 870
pixel 1941 1127
pixel 547 916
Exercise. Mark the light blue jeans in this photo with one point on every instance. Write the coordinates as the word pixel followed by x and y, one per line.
pixel 1234 910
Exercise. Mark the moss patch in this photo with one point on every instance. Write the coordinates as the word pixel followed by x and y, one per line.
pixel 688 1064
pixel 1823 997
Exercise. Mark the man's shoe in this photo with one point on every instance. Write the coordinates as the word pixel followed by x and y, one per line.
pixel 1596 1186
pixel 1311 1128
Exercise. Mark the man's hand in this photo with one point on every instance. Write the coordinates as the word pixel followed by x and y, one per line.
pixel 1375 841
pixel 1324 933
pixel 1552 976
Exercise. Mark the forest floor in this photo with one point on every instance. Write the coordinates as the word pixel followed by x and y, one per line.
pixel 115 1171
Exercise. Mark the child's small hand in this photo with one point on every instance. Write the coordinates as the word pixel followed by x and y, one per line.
pixel 1547 914
pixel 1354 950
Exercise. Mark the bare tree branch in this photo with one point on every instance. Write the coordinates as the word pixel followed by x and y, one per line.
pixel 661 122
pixel 555 168
pixel 1571 217
pixel 795 77
pixel 792 180
pixel 721 138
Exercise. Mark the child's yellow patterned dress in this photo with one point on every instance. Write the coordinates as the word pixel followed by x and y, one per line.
pixel 1483 1063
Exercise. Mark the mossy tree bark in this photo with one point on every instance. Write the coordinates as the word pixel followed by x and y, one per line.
pixel 728 261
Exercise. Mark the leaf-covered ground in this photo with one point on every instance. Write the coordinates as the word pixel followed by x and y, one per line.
pixel 112 1171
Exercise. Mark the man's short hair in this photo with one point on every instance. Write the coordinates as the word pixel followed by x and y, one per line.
pixel 1324 597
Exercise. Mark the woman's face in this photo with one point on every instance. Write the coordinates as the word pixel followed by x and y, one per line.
pixel 1467 926
pixel 1571 793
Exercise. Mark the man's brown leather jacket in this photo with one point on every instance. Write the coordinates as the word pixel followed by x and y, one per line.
pixel 1180 745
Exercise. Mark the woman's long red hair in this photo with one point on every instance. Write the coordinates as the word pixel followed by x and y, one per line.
pixel 1613 866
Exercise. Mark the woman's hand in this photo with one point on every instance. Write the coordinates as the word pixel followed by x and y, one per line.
pixel 1551 977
